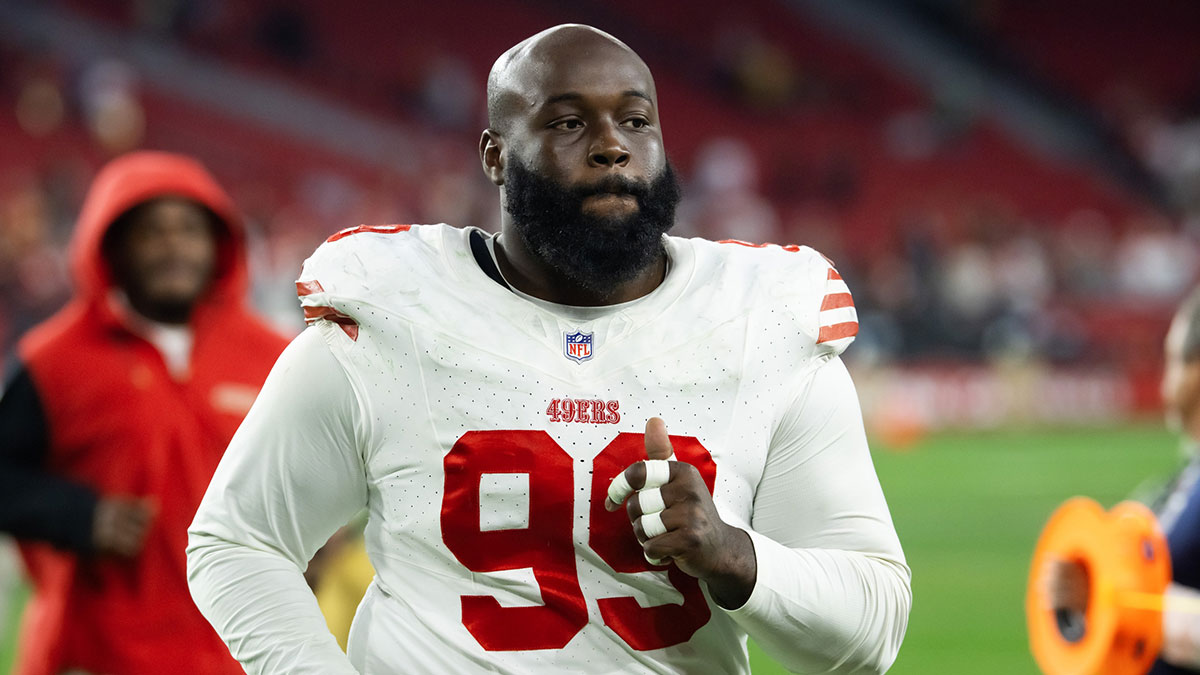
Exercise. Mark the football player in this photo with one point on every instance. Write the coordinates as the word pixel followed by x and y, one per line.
pixel 1178 511
pixel 584 446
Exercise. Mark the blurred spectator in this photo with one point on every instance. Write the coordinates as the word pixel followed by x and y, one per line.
pixel 33 271
pixel 450 94
pixel 759 71
pixel 41 107
pixel 833 159
pixel 1173 150
pixel 116 414
pixel 1083 249
pixel 724 202
pixel 1154 261
pixel 114 116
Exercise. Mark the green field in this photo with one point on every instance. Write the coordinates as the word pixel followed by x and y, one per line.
pixel 969 508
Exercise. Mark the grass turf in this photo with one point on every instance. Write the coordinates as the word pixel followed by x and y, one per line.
pixel 969 507
pixel 8 628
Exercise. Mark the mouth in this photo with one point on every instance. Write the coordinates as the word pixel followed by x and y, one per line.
pixel 176 269
pixel 616 194
pixel 611 202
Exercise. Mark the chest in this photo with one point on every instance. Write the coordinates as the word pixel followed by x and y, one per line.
pixel 116 414
pixel 520 428
pixel 488 466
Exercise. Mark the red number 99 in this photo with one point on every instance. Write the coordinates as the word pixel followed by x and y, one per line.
pixel 547 546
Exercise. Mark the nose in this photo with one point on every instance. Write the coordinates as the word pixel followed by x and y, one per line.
pixel 607 149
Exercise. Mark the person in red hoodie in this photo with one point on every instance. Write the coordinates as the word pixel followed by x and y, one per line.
pixel 114 415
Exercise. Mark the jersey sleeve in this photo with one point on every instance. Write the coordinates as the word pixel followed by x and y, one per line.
pixel 833 589
pixel 339 281
pixel 326 280
pixel 291 476
pixel 836 319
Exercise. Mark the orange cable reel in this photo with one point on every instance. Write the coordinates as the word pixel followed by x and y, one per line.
pixel 1126 564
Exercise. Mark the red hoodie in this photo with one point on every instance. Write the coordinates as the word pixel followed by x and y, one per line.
pixel 118 423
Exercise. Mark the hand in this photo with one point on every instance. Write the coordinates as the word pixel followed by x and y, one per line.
pixel 680 514
pixel 120 523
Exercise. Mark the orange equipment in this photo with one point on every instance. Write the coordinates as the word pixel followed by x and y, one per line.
pixel 1127 564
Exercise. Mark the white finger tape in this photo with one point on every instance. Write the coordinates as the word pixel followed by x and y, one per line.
pixel 658 472
pixel 652 524
pixel 654 561
pixel 651 500
pixel 619 489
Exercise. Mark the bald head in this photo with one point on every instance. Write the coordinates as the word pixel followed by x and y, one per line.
pixel 525 75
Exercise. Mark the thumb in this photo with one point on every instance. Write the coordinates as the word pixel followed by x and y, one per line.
pixel 658 444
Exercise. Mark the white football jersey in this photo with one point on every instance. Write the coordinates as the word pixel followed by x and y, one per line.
pixel 481 428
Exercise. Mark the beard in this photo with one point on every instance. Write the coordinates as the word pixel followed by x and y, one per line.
pixel 175 312
pixel 595 252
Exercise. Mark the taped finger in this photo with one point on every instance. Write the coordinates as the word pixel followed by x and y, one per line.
pixel 619 489
pixel 652 524
pixel 658 472
pixel 655 561
pixel 650 500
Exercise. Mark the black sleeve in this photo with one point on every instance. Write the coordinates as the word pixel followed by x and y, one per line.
pixel 35 504
pixel 1183 539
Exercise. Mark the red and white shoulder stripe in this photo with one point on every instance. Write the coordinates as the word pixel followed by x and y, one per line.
pixel 838 321
pixel 376 229
pixel 318 306
pixel 329 262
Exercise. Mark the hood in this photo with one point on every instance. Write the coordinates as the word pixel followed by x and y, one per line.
pixel 139 177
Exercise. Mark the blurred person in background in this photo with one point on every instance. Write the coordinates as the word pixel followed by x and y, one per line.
pixel 114 415
pixel 1178 510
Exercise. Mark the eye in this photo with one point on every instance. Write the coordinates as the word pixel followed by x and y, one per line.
pixel 569 124
pixel 637 122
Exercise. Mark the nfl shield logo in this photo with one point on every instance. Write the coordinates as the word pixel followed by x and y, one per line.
pixel 578 346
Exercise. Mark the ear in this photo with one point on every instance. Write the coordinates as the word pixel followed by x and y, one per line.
pixel 491 155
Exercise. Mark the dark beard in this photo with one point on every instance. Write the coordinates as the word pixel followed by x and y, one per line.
pixel 175 312
pixel 595 253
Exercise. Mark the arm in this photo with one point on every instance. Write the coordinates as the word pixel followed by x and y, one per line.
pixel 1181 603
pixel 35 504
pixel 291 477
pixel 1181 626
pixel 832 592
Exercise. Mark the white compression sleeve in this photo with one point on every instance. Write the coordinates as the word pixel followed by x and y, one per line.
pixel 833 590
pixel 1181 626
pixel 291 476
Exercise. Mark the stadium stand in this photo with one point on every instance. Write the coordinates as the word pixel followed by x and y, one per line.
pixel 961 242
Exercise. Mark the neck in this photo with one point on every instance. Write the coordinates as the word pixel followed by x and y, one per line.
pixel 532 276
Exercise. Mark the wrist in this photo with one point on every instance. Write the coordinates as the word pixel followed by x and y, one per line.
pixel 733 577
